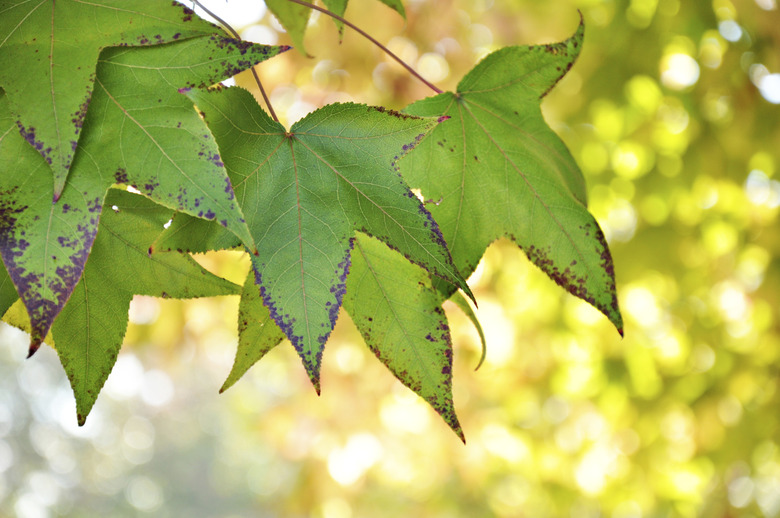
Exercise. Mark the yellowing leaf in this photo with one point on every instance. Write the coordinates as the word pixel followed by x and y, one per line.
pixel 92 325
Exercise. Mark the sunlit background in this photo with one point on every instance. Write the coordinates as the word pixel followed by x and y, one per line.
pixel 673 113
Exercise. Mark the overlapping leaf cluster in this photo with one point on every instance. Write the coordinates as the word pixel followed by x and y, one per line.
pixel 325 209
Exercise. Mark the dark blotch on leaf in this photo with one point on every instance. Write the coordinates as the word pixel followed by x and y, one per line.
pixel 29 136
pixel 340 288
pixel 120 175
pixel 80 114
pixel 382 109
pixel 188 13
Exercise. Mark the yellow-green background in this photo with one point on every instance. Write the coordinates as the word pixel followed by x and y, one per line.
pixel 564 419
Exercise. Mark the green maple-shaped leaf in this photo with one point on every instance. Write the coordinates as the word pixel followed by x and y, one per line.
pixel 92 325
pixel 44 246
pixel 140 130
pixel 257 332
pixel 293 17
pixel 499 170
pixel 55 46
pixel 305 192
pixel 157 142
pixel 396 309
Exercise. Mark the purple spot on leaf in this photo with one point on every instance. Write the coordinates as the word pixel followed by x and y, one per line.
pixel 29 136
pixel 120 175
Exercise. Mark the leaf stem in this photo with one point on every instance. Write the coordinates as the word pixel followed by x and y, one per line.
pixel 235 34
pixel 371 39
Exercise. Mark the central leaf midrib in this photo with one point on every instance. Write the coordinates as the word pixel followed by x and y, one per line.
pixel 398 320
pixel 307 345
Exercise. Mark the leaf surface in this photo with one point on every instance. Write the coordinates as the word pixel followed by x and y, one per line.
pixel 92 325
pixel 257 332
pixel 307 191
pixel 44 245
pixel 190 234
pixel 396 309
pixel 337 7
pixel 8 293
pixel 55 45
pixel 395 5
pixel 293 17
pixel 499 170
pixel 139 131
pixel 157 142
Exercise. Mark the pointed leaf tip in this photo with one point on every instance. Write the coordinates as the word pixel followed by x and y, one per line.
pixel 467 290
pixel 34 346
pixel 313 368
pixel 464 306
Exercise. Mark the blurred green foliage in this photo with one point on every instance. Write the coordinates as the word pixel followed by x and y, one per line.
pixel 672 112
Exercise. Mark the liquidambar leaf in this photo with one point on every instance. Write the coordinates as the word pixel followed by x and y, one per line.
pixel 44 245
pixel 396 309
pixel 139 131
pixel 499 170
pixel 257 332
pixel 92 325
pixel 174 160
pixel 307 191
pixel 293 17
pixel 54 46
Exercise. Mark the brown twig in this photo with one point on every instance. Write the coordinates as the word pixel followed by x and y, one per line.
pixel 371 39
pixel 254 72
